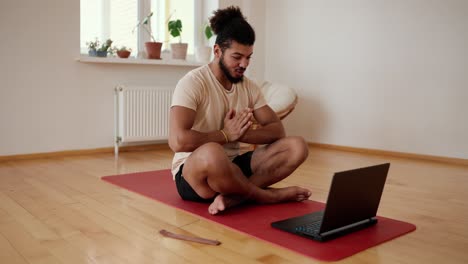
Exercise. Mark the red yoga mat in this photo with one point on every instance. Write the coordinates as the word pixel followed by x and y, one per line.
pixel 255 220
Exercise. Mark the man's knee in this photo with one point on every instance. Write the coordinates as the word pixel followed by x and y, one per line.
pixel 298 148
pixel 210 146
pixel 205 156
pixel 206 161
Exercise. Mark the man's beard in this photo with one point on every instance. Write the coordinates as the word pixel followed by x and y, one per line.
pixel 226 72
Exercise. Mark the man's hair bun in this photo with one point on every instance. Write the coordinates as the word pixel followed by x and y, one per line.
pixel 223 17
pixel 230 25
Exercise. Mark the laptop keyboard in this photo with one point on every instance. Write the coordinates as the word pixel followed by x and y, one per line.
pixel 313 225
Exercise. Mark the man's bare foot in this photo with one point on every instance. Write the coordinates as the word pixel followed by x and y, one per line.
pixel 270 195
pixel 222 202
pixel 287 194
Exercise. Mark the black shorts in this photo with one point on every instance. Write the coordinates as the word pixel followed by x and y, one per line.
pixel 187 193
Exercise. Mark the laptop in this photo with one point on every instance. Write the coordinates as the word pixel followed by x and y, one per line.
pixel 352 205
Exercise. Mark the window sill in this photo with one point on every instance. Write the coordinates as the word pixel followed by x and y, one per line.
pixel 116 60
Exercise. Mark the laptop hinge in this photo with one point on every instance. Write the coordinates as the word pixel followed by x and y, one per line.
pixel 351 226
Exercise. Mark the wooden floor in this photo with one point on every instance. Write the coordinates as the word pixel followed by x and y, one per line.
pixel 57 210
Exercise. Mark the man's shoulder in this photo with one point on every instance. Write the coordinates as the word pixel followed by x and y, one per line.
pixel 193 77
pixel 199 72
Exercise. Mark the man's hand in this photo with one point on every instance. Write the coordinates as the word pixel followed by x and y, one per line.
pixel 236 124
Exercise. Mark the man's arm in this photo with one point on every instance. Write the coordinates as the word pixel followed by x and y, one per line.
pixel 270 130
pixel 182 138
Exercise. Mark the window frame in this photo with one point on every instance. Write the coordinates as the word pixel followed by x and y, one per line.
pixel 144 8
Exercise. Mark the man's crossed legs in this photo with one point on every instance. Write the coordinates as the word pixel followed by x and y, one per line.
pixel 211 174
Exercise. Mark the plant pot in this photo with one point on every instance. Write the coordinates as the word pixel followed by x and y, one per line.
pixel 203 54
pixel 101 53
pixel 179 51
pixel 97 53
pixel 123 54
pixel 153 49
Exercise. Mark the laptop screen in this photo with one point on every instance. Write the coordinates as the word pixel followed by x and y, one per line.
pixel 354 196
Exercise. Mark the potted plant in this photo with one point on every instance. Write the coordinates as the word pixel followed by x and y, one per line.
pixel 97 50
pixel 179 50
pixel 123 52
pixel 203 53
pixel 153 48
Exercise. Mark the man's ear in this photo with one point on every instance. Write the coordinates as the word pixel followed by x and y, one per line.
pixel 217 51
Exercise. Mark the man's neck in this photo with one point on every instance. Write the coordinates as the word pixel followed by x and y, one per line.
pixel 219 74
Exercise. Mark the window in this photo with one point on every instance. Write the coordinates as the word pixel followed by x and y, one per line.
pixel 116 19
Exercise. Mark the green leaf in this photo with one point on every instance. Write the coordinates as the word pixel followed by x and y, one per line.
pixel 171 24
pixel 175 32
pixel 175 27
pixel 179 24
pixel 208 32
pixel 147 18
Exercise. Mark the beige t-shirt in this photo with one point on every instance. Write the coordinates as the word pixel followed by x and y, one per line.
pixel 201 91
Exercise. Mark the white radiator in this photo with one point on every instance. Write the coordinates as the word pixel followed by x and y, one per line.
pixel 141 113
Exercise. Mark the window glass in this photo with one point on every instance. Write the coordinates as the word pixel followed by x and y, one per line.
pixel 90 21
pixel 116 19
pixel 183 10
pixel 122 20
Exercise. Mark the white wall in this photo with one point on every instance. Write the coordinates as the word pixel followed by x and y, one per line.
pixel 48 100
pixel 390 75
